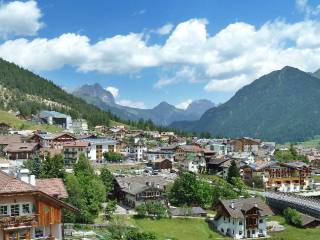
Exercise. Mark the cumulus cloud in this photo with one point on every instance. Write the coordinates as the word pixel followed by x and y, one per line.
pixel 184 104
pixel 133 104
pixel 114 91
pixel 165 29
pixel 225 61
pixel 19 18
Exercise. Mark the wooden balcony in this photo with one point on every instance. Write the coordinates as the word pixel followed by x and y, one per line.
pixel 18 221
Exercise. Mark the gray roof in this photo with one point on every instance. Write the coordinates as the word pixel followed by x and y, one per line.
pixel 307 219
pixel 45 114
pixel 187 211
pixel 240 206
pixel 136 184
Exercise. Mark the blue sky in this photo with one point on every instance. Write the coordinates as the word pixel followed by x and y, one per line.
pixel 153 51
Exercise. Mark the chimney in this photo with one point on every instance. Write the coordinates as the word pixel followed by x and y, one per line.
pixel 148 183
pixel 129 186
pixel 255 205
pixel 32 180
pixel 232 205
pixel 23 175
pixel 158 186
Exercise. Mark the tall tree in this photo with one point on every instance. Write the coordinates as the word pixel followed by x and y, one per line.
pixel 233 172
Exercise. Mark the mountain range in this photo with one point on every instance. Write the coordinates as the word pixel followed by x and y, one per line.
pixel 162 114
pixel 281 106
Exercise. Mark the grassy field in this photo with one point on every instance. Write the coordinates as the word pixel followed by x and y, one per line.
pixel 178 228
pixel 123 167
pixel 17 123
pixel 293 233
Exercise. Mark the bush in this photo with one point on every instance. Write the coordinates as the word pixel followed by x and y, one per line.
pixel 292 217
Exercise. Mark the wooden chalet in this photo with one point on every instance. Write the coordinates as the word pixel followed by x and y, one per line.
pixel 31 210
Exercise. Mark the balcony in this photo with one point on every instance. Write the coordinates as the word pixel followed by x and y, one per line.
pixel 18 221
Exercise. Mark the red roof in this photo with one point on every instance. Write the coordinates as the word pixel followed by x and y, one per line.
pixel 53 187
pixel 76 144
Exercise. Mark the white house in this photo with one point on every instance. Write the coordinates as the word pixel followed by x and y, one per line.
pixel 242 218
pixel 98 146
pixel 195 165
pixel 156 154
pixel 136 151
pixel 80 126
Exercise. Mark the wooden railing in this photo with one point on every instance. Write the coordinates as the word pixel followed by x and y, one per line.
pixel 17 221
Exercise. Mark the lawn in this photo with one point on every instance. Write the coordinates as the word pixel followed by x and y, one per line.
pixel 13 121
pixel 293 233
pixel 178 228
pixel 113 167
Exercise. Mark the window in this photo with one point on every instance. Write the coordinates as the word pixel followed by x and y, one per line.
pixel 3 210
pixel 253 231
pixel 15 209
pixel 260 231
pixel 26 208
pixel 240 222
pixel 260 220
pixel 38 232
pixel 240 232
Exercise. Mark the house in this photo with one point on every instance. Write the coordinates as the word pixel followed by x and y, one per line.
pixel 196 164
pixel 244 145
pixel 5 140
pixel 53 117
pixel 80 126
pixel 218 148
pixel 156 154
pixel 98 146
pixel 48 140
pixel 282 177
pixel 73 150
pixel 162 164
pixel 190 212
pixel 31 211
pixel 117 132
pixel 135 152
pixel 215 164
pixel 242 218
pixel 188 152
pixel 21 151
pixel 136 190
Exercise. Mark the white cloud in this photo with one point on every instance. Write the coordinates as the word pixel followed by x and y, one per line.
pixel 19 18
pixel 165 29
pixel 225 61
pixel 304 7
pixel 129 103
pixel 184 104
pixel 114 91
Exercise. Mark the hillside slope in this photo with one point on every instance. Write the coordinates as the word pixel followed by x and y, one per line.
pixel 28 93
pixel 281 106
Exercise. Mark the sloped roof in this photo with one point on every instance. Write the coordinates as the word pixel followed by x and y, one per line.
pixel 52 187
pixel 6 139
pixel 9 184
pixel 20 147
pixel 187 211
pixel 240 206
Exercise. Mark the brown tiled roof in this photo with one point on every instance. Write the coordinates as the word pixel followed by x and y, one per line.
pixel 53 187
pixel 20 147
pixel 76 144
pixel 9 184
pixel 240 206
pixel 6 139
pixel 191 148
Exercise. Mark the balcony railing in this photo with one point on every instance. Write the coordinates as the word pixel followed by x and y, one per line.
pixel 17 221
